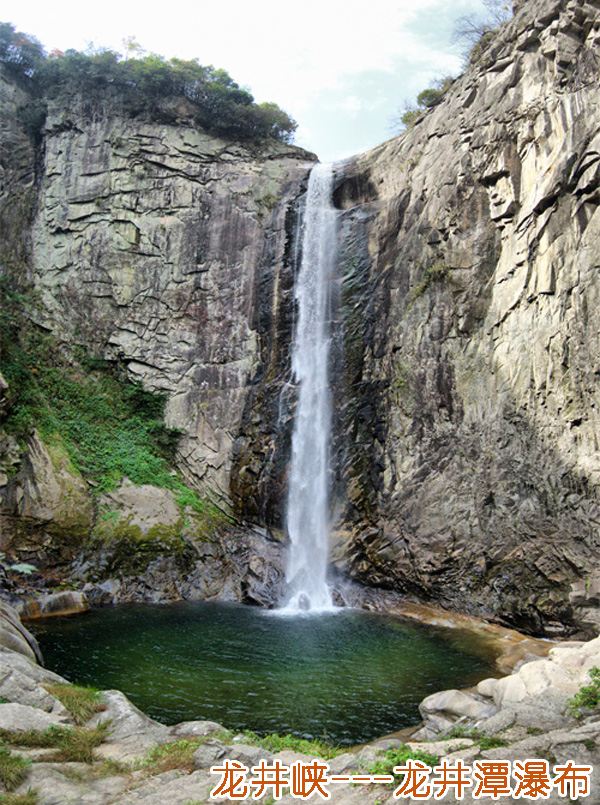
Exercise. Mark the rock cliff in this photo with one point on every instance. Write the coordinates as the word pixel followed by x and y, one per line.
pixel 154 244
pixel 468 435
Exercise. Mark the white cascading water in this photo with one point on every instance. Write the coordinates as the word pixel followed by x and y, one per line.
pixel 308 518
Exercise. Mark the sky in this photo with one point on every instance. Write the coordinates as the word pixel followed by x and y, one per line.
pixel 344 69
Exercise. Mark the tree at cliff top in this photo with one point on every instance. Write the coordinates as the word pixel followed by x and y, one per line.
pixel 475 31
pixel 143 84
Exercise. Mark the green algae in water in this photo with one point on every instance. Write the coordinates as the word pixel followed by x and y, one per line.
pixel 348 676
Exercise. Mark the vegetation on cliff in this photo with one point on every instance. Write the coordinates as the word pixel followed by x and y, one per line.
pixel 474 32
pixel 110 427
pixel 144 85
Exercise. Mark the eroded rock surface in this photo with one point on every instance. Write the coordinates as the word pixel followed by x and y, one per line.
pixel 467 444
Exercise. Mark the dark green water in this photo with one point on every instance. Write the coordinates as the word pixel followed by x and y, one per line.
pixel 349 676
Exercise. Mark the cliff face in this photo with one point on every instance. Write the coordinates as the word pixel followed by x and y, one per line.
pixel 165 248
pixel 471 310
pixel 468 326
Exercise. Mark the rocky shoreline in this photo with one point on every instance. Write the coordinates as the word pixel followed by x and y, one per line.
pixel 137 760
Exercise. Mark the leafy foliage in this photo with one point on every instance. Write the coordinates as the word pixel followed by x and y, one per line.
pixel 144 83
pixel 426 99
pixel 588 696
pixel 19 567
pixel 109 427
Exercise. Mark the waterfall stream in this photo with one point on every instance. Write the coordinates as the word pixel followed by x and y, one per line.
pixel 308 517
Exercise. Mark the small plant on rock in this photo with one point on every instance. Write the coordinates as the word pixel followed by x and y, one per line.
pixel 398 757
pixel 30 798
pixel 587 697
pixel 279 743
pixel 72 744
pixel 175 755
pixel 82 703
pixel 13 768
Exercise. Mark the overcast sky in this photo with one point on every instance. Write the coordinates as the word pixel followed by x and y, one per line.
pixel 341 68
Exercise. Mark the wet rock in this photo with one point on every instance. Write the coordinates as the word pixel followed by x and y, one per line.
pixel 14 636
pixel 67 602
pixel 224 567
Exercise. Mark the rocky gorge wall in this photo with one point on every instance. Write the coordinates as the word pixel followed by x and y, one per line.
pixel 468 433
pixel 165 247
pixel 164 250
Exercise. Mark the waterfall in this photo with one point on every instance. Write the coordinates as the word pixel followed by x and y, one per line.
pixel 308 517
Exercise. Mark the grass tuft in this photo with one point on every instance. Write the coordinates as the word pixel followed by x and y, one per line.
pixel 278 743
pixel 81 702
pixel 29 798
pixel 176 755
pixel 13 768
pixel 398 757
pixel 483 741
pixel 74 744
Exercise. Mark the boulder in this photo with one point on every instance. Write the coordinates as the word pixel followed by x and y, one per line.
pixel 195 729
pixel 22 717
pixel 142 507
pixel 131 732
pixel 66 602
pixel 441 710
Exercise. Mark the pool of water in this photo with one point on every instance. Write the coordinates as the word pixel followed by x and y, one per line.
pixel 348 676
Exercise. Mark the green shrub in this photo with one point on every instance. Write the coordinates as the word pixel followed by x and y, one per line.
pixel 142 84
pixel 587 697
pixel 410 116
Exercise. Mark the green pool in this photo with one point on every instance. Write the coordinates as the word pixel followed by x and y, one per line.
pixel 348 676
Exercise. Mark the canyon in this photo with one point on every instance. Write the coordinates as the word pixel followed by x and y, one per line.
pixel 466 335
